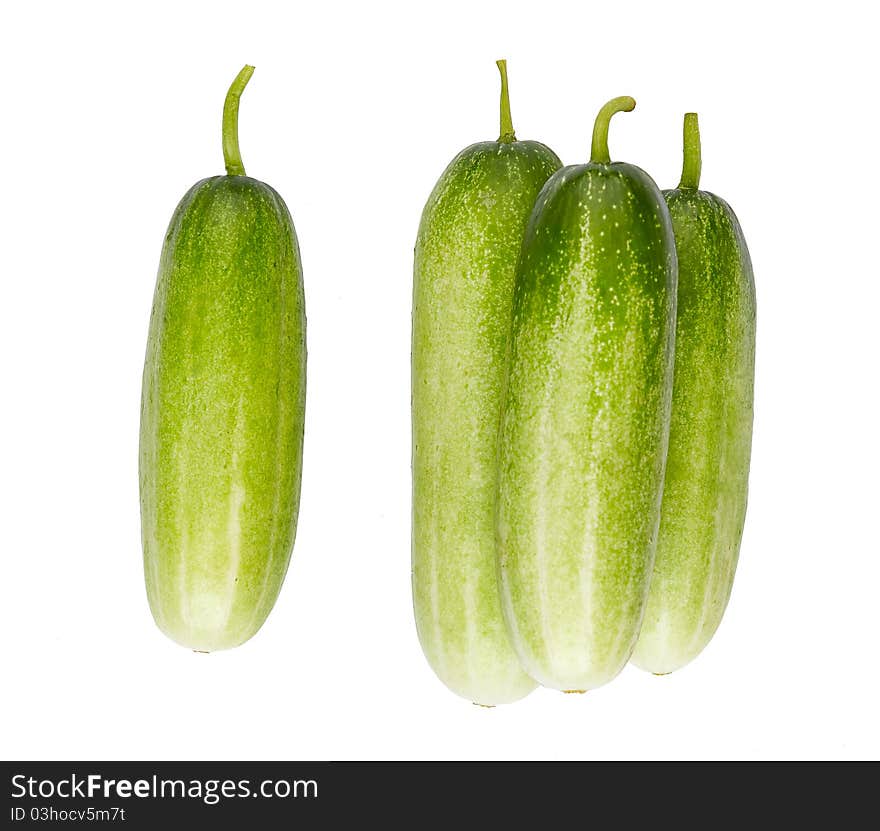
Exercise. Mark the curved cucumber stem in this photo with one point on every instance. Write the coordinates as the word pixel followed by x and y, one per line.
pixel 693 161
pixel 599 153
pixel 231 153
pixel 507 134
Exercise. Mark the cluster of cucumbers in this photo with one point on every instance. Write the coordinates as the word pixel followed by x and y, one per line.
pixel 582 382
pixel 582 388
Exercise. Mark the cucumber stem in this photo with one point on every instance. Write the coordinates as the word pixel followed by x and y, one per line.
pixel 693 162
pixel 231 152
pixel 599 153
pixel 507 134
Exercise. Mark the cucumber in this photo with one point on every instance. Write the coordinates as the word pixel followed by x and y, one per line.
pixel 707 470
pixel 586 417
pixel 222 407
pixel 465 257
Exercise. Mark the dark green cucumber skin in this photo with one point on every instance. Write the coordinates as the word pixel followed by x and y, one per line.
pixel 465 259
pixel 706 485
pixel 585 422
pixel 222 413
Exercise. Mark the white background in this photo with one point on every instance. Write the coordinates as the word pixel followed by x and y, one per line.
pixel 111 111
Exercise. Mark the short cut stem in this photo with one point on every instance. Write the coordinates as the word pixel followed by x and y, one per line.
pixel 507 134
pixel 693 161
pixel 599 153
pixel 231 152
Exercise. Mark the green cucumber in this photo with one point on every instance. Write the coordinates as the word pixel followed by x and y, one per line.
pixel 707 469
pixel 465 258
pixel 222 407
pixel 586 418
